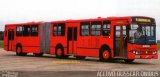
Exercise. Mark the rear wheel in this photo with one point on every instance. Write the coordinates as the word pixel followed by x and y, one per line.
pixel 105 55
pixel 19 51
pixel 80 57
pixel 38 54
pixel 60 52
pixel 128 60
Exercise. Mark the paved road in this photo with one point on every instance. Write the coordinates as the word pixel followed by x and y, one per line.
pixel 9 61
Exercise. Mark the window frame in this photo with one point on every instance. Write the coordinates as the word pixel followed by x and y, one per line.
pixel 25 30
pixel 85 29
pixel 96 29
pixel 61 31
pixel 108 29
pixel 20 32
pixel 35 33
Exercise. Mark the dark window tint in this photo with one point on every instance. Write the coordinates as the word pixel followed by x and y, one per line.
pixel 10 35
pixel 106 28
pixel 84 29
pixel 96 28
pixel 55 30
pixel 61 29
pixel 19 31
pixel 26 30
pixel 34 30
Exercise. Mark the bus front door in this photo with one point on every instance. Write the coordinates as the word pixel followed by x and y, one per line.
pixel 71 40
pixel 10 39
pixel 120 41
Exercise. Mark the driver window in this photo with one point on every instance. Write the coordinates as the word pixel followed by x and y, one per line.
pixel 106 28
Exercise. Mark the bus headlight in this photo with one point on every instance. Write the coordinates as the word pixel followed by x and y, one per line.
pixel 137 53
pixel 134 52
pixel 155 52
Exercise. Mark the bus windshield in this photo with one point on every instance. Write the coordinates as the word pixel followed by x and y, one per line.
pixel 142 34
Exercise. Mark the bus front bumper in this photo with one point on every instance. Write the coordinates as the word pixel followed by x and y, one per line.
pixel 146 56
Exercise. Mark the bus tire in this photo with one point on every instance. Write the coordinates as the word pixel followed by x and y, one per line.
pixel 105 55
pixel 60 52
pixel 38 54
pixel 128 60
pixel 19 51
pixel 80 57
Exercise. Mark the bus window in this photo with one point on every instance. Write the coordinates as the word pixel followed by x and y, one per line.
pixel 96 28
pixel 61 29
pixel 84 29
pixel 34 30
pixel 55 30
pixel 26 30
pixel 106 29
pixel 19 30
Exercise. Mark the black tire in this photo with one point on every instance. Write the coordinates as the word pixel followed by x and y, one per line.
pixel 60 49
pixel 21 52
pixel 38 54
pixel 128 60
pixel 101 57
pixel 80 57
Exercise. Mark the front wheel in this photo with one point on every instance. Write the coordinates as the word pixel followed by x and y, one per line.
pixel 19 51
pixel 128 60
pixel 105 55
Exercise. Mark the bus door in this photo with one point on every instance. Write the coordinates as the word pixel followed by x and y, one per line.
pixel 120 41
pixel 71 40
pixel 10 39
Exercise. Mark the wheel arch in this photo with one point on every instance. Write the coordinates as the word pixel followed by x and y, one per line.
pixel 59 45
pixel 104 46
pixel 18 44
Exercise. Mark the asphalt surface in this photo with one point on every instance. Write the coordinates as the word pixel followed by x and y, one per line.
pixel 9 61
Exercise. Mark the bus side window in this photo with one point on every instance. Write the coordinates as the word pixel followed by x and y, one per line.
pixel 106 29
pixel 19 30
pixel 84 29
pixel 61 29
pixel 26 30
pixel 34 30
pixel 96 28
pixel 55 30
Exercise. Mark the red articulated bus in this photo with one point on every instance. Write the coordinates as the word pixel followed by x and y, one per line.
pixel 127 38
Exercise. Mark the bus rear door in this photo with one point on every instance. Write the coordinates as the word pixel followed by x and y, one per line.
pixel 71 40
pixel 10 39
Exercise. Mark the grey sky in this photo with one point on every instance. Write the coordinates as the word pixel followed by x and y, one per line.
pixel 15 11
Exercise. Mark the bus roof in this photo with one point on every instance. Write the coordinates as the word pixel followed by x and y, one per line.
pixel 82 20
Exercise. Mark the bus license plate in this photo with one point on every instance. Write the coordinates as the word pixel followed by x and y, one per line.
pixel 137 56
pixel 146 46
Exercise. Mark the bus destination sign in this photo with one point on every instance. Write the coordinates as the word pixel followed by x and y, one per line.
pixel 142 19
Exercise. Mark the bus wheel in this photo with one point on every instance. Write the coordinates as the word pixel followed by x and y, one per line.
pixel 19 51
pixel 104 55
pixel 59 53
pixel 38 54
pixel 128 60
pixel 80 57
